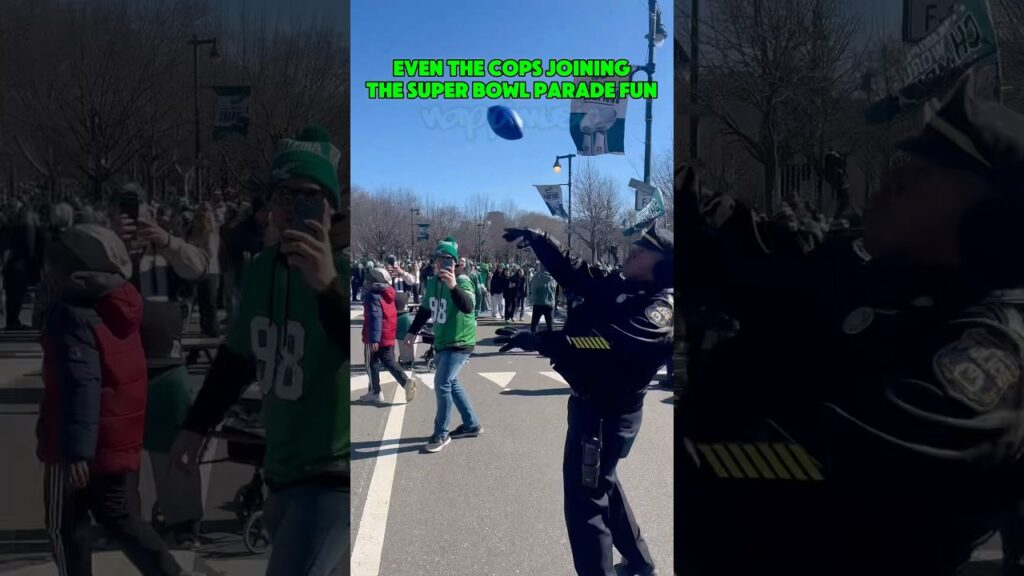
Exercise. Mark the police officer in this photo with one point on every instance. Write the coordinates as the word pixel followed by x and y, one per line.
pixel 608 351
pixel 867 417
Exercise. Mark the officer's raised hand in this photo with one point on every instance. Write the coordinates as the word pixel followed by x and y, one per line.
pixel 525 235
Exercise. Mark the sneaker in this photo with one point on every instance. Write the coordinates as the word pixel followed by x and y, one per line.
pixel 410 387
pixel 371 397
pixel 187 541
pixel 437 442
pixel 465 432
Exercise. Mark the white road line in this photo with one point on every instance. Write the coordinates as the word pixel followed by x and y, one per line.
pixel 427 378
pixel 369 541
pixel 362 381
pixel 500 378
pixel 554 376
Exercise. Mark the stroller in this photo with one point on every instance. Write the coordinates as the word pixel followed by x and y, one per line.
pixel 246 444
pixel 429 357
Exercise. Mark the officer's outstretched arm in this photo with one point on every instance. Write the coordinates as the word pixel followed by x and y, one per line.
pixel 576 278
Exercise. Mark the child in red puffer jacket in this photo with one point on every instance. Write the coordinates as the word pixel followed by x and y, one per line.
pixel 94 403
pixel 379 330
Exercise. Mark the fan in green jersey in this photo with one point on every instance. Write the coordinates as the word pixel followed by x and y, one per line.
pixel 291 336
pixel 449 299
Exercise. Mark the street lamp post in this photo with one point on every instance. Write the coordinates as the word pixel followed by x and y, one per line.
pixel 413 212
pixel 196 42
pixel 558 168
pixel 479 240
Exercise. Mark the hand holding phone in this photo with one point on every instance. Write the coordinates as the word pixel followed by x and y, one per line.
pixel 307 208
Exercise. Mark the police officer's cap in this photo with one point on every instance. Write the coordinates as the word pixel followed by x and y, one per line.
pixel 656 240
pixel 979 136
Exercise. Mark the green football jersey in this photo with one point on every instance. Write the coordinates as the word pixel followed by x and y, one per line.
pixel 303 375
pixel 452 327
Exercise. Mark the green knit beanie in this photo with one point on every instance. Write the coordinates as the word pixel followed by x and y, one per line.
pixel 309 155
pixel 447 247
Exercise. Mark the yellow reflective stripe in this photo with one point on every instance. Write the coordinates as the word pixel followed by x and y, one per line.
pixel 586 343
pixel 596 342
pixel 790 463
pixel 777 466
pixel 759 462
pixel 709 455
pixel 605 344
pixel 737 453
pixel 578 342
pixel 806 460
pixel 724 455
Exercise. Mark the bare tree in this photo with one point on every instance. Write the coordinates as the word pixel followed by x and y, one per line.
pixel 380 221
pixel 765 64
pixel 596 210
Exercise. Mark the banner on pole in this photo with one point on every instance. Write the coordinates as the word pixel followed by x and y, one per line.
pixel 598 126
pixel 552 195
pixel 644 193
pixel 654 210
pixel 964 42
pixel 424 233
pixel 232 111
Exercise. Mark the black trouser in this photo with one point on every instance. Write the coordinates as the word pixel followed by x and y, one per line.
pixel 385 355
pixel 416 293
pixel 113 501
pixel 599 518
pixel 355 290
pixel 510 306
pixel 1012 535
pixel 16 285
pixel 538 311
pixel 521 305
pixel 206 297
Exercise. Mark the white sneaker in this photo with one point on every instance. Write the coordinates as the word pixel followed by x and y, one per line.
pixel 371 397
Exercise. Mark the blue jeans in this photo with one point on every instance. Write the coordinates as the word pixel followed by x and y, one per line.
pixel 449 391
pixel 309 530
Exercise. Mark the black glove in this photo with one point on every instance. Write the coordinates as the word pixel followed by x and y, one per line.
pixel 525 236
pixel 523 339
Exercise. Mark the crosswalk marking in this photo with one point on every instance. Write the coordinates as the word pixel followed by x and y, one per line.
pixel 555 376
pixel 362 381
pixel 500 378
pixel 427 379
pixel 369 541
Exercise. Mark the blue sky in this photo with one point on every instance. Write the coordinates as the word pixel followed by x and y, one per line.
pixel 443 149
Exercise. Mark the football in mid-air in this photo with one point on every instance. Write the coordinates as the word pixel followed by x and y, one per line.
pixel 505 122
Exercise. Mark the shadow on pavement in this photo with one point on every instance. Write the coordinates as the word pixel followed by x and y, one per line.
pixel 541 392
pixel 364 450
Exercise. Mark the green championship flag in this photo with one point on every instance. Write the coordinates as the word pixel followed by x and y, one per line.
pixel 965 40
pixel 232 111
pixel 654 210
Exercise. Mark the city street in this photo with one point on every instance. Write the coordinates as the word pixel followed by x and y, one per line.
pixel 492 504
pixel 24 549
